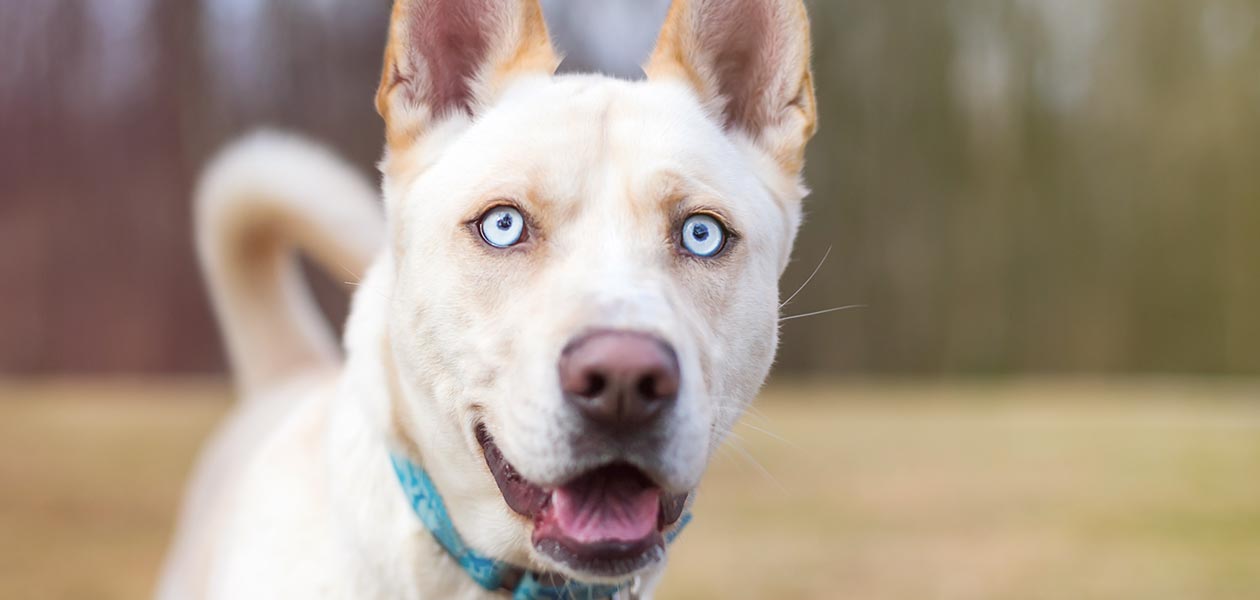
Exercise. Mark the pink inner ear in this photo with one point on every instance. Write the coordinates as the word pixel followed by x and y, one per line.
pixel 449 39
pixel 741 38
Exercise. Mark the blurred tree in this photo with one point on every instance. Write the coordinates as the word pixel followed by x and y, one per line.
pixel 1009 185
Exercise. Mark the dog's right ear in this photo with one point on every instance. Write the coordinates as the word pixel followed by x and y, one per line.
pixel 452 57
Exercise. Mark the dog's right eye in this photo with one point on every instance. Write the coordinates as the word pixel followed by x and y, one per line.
pixel 502 227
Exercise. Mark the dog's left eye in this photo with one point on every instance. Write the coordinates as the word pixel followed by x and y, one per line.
pixel 703 236
pixel 502 227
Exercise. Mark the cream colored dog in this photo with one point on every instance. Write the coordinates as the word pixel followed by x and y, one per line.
pixel 570 299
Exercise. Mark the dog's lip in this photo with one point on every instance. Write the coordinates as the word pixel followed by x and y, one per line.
pixel 521 495
pixel 608 558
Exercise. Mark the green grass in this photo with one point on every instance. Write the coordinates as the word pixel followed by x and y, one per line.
pixel 1025 490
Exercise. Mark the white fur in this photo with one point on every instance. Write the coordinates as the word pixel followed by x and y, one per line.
pixel 295 497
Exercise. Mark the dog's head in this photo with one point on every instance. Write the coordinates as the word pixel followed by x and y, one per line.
pixel 585 286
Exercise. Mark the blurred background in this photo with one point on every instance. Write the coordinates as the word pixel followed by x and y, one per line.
pixel 1050 210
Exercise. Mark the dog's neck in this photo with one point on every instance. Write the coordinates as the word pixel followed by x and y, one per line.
pixel 393 556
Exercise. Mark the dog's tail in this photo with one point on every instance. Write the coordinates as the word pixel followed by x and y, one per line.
pixel 258 202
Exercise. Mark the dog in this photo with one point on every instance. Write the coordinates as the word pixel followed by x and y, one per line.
pixel 570 295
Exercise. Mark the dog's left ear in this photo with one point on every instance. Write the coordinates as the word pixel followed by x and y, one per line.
pixel 452 57
pixel 748 60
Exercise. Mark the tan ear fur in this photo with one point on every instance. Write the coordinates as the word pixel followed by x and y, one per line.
pixel 749 62
pixel 445 57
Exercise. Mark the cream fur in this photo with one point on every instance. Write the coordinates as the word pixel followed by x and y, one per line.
pixel 295 498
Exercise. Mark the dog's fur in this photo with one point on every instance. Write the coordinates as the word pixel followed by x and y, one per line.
pixel 295 497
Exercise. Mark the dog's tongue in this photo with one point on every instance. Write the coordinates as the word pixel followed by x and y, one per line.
pixel 607 505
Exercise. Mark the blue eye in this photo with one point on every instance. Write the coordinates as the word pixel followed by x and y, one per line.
pixel 703 236
pixel 502 227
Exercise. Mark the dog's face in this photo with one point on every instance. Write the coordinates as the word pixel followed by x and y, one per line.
pixel 585 291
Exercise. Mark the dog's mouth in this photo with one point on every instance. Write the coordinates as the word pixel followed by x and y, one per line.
pixel 607 522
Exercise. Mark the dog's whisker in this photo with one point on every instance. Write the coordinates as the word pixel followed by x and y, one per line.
pixel 823 312
pixel 808 279
pixel 742 413
pixel 748 413
pixel 772 435
pixel 352 274
pixel 743 452
pixel 373 290
pixel 751 409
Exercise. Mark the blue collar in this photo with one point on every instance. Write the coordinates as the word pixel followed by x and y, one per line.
pixel 487 572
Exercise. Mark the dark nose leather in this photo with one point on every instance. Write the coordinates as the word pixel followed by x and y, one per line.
pixel 619 379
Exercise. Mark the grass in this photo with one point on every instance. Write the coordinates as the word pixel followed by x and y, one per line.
pixel 1027 490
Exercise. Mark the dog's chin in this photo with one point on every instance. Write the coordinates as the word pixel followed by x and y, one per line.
pixel 604 524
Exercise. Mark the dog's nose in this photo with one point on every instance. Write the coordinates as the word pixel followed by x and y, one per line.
pixel 619 379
